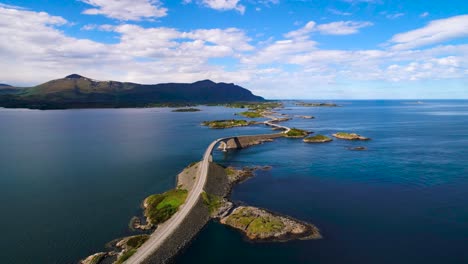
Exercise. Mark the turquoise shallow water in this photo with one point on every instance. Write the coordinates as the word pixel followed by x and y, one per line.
pixel 71 180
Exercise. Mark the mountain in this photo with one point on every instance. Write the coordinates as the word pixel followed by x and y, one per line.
pixel 76 91
pixel 8 89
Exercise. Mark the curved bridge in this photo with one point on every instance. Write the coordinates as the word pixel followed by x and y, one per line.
pixel 164 230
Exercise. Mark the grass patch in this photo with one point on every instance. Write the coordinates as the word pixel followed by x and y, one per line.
pixel 137 241
pixel 241 218
pixel 161 207
pixel 213 202
pixel 251 114
pixel 295 132
pixel 265 225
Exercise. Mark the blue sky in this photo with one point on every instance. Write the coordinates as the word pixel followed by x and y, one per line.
pixel 343 49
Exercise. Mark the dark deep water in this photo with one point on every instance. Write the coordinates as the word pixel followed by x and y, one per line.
pixel 71 180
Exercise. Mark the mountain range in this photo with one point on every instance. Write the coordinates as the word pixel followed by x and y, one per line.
pixel 76 91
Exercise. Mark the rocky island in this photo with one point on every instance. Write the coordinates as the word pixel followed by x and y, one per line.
pixel 261 225
pixel 219 124
pixel 297 133
pixel 186 110
pixel 317 139
pixel 349 136
pixel 317 104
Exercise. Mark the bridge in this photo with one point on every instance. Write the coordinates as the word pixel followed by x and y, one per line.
pixel 164 231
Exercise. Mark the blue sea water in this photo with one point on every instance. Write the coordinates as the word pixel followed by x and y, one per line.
pixel 71 180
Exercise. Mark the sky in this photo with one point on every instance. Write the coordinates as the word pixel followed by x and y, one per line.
pixel 279 49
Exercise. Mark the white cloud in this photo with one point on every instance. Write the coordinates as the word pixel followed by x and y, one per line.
pixel 342 27
pixel 334 28
pixel 394 15
pixel 425 14
pixel 223 5
pixel 338 12
pixel 126 9
pixel 435 32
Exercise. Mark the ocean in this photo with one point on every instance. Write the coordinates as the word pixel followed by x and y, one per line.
pixel 71 180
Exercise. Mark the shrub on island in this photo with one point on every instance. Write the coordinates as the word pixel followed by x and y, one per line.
pixel 297 133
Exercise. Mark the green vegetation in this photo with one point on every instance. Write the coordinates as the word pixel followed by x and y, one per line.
pixel 252 114
pixel 186 110
pixel 230 171
pixel 317 139
pixel 137 241
pixel 161 207
pixel 240 218
pixel 254 106
pixel 265 225
pixel 249 219
pixel 213 202
pixel 75 91
pixel 126 255
pixel 297 133
pixel 317 104
pixel 227 123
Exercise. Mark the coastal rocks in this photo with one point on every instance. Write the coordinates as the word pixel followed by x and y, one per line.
pixel 317 104
pixel 306 117
pixel 95 258
pixel 123 249
pixel 349 136
pixel 236 176
pixel 137 223
pixel 260 225
pixel 357 148
pixel 182 110
pixel 317 139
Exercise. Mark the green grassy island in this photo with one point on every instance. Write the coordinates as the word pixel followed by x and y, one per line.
pixel 317 139
pixel 227 123
pixel 160 207
pixel 186 110
pixel 317 104
pixel 251 114
pixel 349 136
pixel 258 224
pixel 297 133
